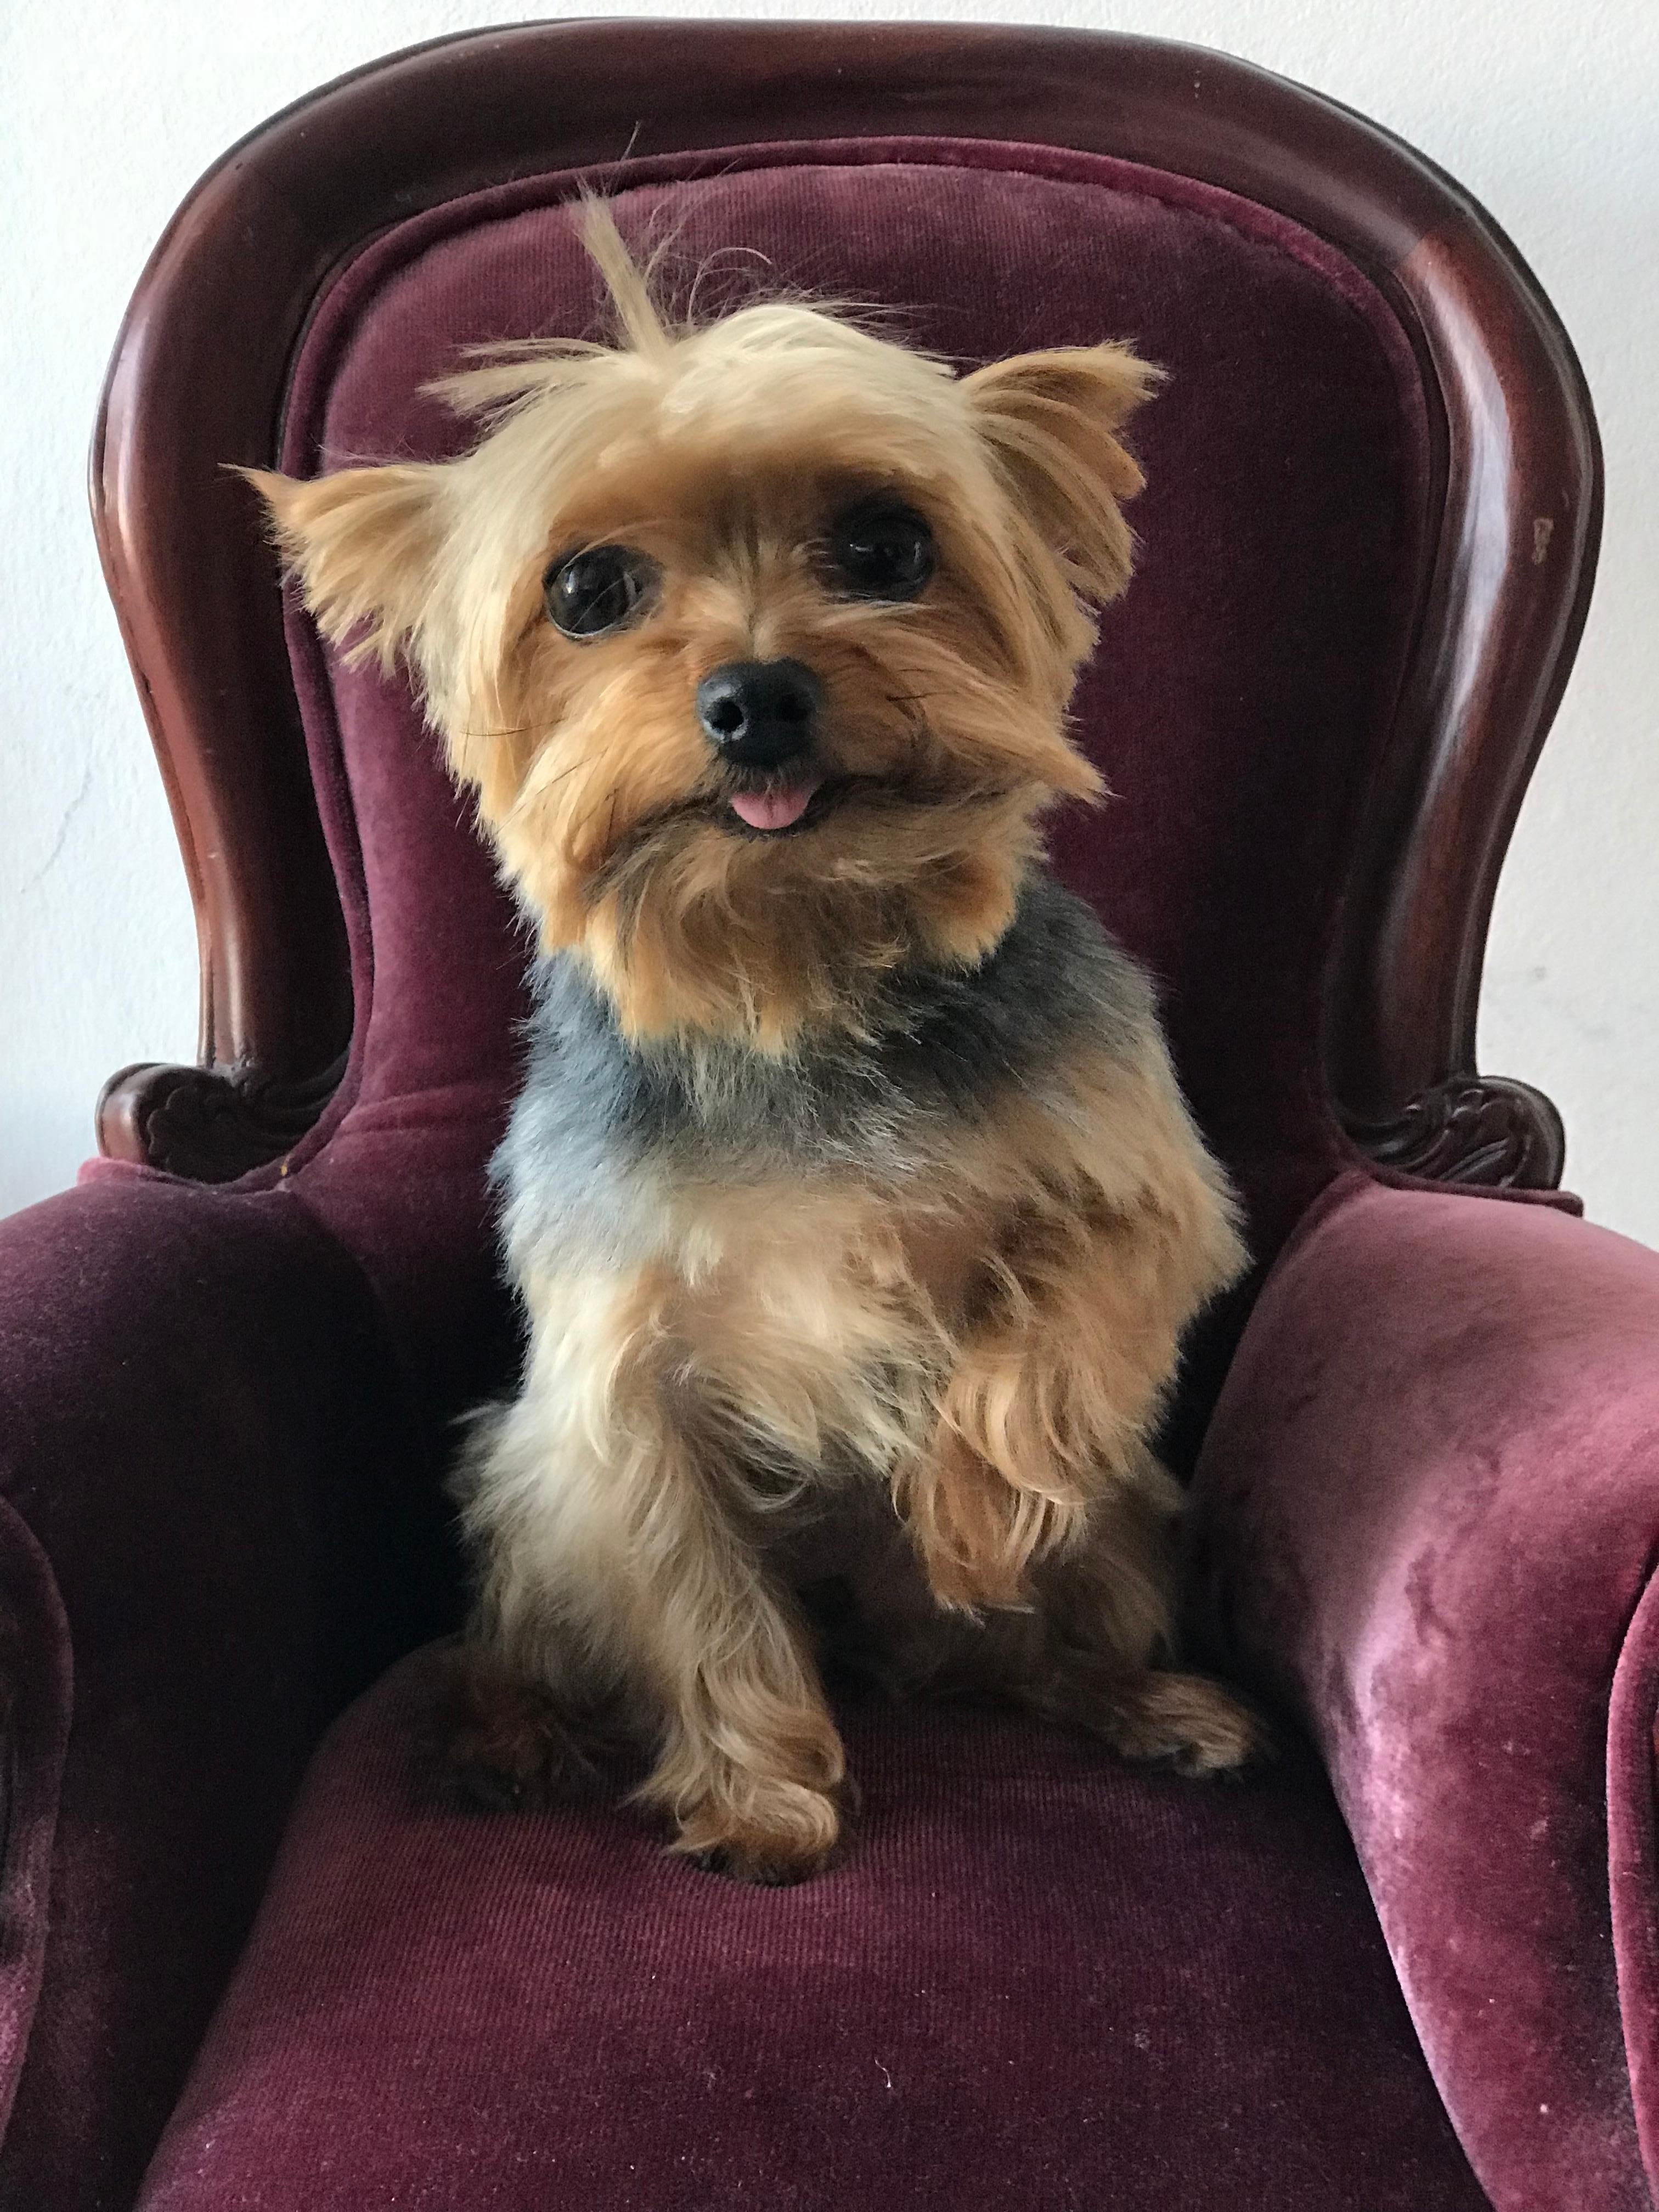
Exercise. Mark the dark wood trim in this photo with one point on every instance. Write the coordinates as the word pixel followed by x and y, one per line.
pixel 211 1124
pixel 201 364
pixel 1482 1129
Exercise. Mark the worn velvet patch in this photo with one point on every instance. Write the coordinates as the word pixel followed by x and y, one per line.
pixel 1427 1505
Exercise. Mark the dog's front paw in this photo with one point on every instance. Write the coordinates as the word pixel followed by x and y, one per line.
pixel 786 1835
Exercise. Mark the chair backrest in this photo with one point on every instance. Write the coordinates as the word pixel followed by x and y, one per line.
pixel 1368 540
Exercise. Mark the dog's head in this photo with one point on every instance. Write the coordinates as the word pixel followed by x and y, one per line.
pixel 755 640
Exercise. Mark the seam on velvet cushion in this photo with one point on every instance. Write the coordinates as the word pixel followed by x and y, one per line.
pixel 337 808
pixel 37 1683
pixel 353 289
pixel 1360 1177
pixel 1633 1862
pixel 337 805
pixel 431 1106
pixel 336 811
pixel 1392 1178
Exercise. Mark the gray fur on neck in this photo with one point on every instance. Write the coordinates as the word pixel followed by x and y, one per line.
pixel 944 1044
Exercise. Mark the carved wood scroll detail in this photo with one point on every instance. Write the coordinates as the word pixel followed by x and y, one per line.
pixel 1482 1129
pixel 211 1124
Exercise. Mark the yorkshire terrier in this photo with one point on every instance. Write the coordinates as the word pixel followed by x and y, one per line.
pixel 853 1204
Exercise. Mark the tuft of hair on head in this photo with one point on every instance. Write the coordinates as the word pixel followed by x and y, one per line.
pixel 628 284
pixel 505 373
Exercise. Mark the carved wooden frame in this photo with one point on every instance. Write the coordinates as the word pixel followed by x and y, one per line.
pixel 200 372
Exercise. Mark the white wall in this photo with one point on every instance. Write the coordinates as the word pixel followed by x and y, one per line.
pixel 111 113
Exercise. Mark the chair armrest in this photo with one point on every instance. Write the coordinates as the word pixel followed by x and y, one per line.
pixel 1427 1510
pixel 206 1460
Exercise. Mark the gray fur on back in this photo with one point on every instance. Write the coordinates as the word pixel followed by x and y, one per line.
pixel 943 1043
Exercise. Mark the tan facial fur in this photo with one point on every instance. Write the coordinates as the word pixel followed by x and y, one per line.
pixel 723 453
pixel 932 1374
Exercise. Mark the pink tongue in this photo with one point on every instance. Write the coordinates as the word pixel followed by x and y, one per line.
pixel 772 809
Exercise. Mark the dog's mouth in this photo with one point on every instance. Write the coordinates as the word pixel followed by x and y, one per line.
pixel 778 807
pixel 772 807
pixel 765 807
pixel 800 793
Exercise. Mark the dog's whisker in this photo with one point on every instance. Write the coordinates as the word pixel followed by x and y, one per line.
pixel 514 729
pixel 610 799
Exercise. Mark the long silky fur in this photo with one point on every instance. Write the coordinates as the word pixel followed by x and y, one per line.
pixel 851 1195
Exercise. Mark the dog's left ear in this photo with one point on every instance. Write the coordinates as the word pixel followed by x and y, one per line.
pixel 1050 420
pixel 364 544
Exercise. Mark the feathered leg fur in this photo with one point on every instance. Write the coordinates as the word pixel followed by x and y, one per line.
pixel 620 1577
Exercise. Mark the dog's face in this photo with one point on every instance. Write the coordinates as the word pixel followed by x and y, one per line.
pixel 755 640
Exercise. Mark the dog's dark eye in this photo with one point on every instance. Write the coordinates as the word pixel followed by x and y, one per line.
pixel 590 592
pixel 883 549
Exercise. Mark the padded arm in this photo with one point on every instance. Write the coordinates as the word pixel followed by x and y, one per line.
pixel 1428 1504
pixel 205 1449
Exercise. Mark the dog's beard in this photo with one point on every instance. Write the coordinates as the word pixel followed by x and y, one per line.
pixel 695 923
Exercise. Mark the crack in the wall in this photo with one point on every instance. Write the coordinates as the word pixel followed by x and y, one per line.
pixel 62 838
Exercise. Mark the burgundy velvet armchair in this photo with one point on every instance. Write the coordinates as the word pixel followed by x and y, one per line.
pixel 245 1959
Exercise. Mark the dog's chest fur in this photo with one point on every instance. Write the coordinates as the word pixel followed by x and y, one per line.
pixel 794 1246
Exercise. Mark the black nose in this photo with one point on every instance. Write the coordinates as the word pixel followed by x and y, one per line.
pixel 760 713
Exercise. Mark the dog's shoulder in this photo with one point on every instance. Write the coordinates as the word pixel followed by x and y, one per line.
pixel 1056 983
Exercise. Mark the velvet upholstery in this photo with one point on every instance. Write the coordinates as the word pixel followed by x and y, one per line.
pixel 1042 1979
pixel 210 1534
pixel 225 1414
pixel 1429 1500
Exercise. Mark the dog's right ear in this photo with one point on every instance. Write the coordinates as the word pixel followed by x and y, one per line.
pixel 364 544
pixel 1051 420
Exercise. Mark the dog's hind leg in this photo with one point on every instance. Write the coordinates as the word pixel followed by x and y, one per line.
pixel 1095 1654
pixel 1090 1648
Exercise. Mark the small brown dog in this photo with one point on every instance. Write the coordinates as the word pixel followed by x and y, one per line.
pixel 851 1196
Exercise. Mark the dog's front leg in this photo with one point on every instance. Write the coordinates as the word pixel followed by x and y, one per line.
pixel 1038 1492
pixel 749 1767
pixel 616 1566
pixel 1044 1412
